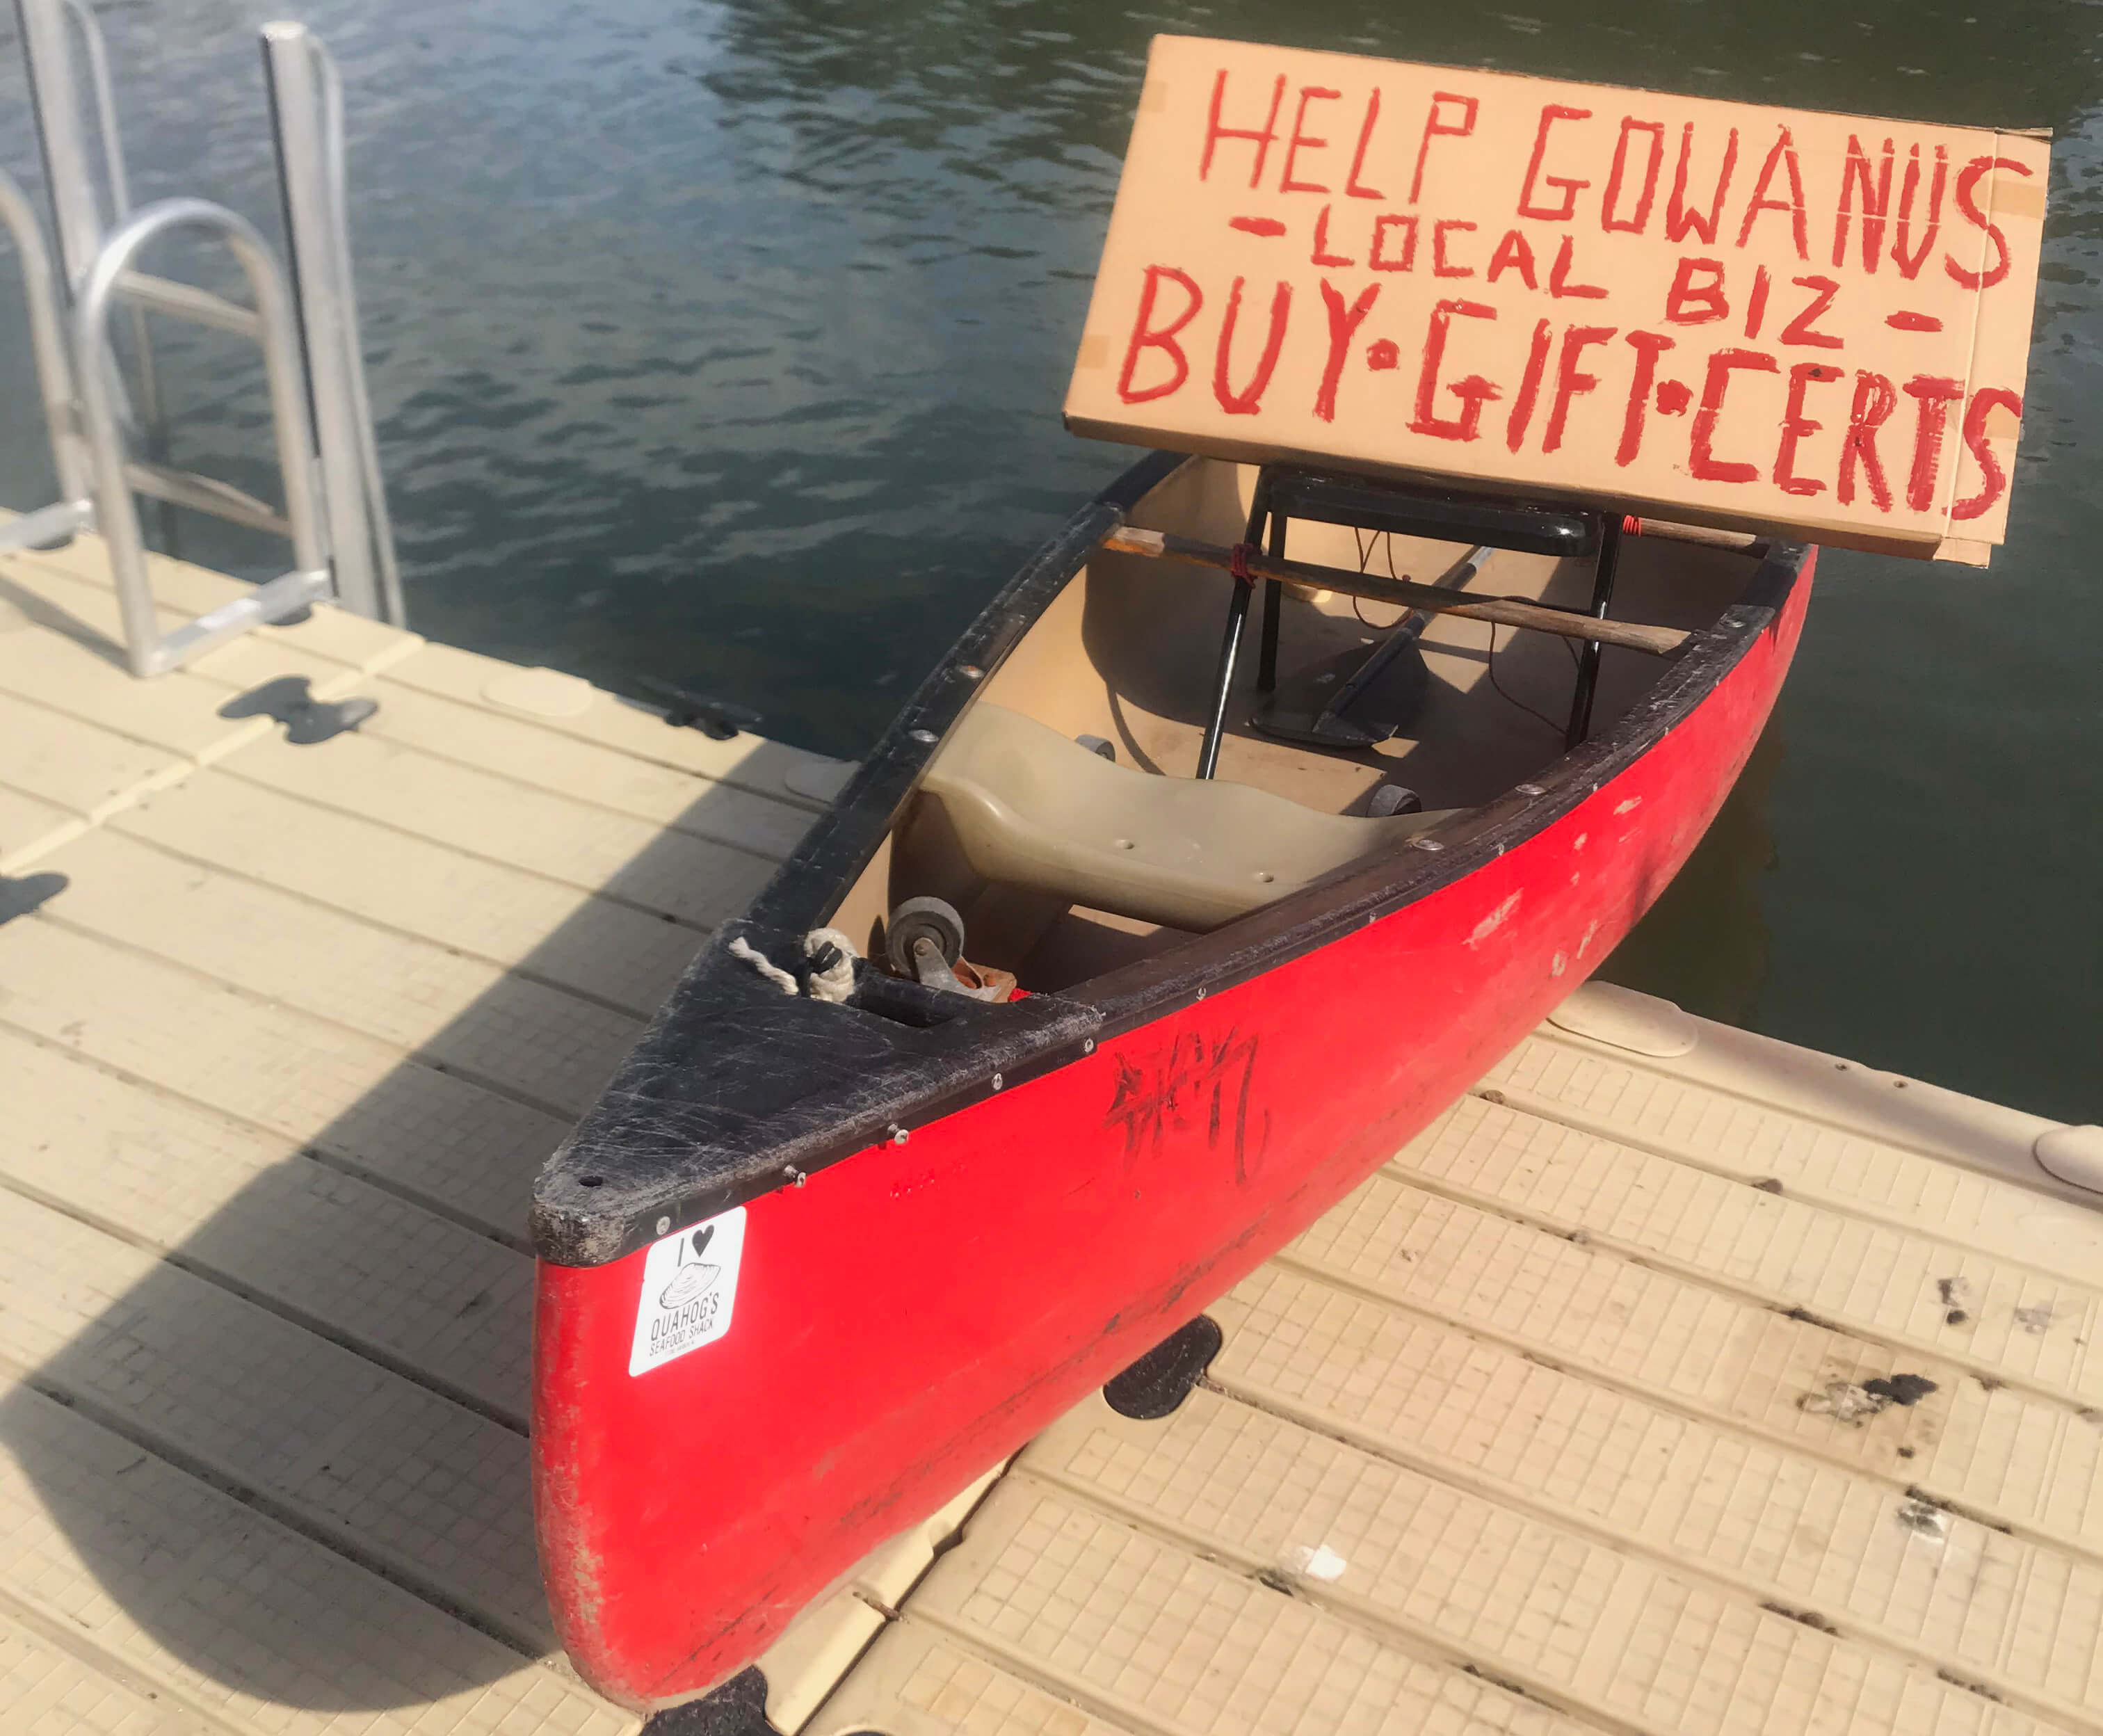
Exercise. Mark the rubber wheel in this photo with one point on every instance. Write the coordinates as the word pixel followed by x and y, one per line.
pixel 931 918
pixel 1391 799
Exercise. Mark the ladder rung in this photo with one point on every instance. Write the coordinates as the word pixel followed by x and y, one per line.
pixel 187 301
pixel 204 494
pixel 286 594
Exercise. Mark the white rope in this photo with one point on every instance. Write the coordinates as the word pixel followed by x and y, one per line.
pixel 742 948
pixel 836 983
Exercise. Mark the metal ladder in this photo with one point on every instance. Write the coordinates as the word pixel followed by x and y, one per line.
pixel 334 513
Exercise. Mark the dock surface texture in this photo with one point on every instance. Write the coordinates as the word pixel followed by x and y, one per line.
pixel 1676 1382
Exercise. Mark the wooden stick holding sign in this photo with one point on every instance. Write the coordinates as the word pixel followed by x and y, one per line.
pixel 1660 642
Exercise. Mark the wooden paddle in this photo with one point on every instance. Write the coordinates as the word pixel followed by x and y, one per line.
pixel 1659 642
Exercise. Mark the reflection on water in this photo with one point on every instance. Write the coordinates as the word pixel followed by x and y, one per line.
pixel 723 344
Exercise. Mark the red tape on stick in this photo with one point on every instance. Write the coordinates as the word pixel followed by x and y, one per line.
pixel 1237 562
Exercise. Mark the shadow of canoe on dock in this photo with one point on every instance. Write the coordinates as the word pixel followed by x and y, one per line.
pixel 279 1062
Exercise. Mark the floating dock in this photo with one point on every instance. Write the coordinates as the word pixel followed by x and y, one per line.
pixel 1677 1381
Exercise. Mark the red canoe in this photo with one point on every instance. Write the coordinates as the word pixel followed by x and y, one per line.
pixel 812 1264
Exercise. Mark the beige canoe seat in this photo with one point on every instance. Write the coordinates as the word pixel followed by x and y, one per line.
pixel 1030 808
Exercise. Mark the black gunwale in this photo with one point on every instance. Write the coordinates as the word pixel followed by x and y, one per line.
pixel 736 1090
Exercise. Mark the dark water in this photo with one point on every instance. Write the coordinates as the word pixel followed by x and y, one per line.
pixel 723 344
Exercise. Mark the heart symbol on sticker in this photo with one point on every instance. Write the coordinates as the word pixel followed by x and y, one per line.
pixel 701 1237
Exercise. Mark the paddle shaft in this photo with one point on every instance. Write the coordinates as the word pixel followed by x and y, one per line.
pixel 1658 641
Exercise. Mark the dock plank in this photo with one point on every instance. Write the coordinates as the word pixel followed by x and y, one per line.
pixel 364 1266
pixel 1137 1631
pixel 585 771
pixel 74 665
pixel 747 761
pixel 88 772
pixel 31 829
pixel 2025 1215
pixel 917 1679
pixel 2007 1458
pixel 234 1612
pixel 473 1018
pixel 447 1143
pixel 1719 1530
pixel 49 1687
pixel 2000 1316
pixel 551 932
pixel 672 874
pixel 336 1446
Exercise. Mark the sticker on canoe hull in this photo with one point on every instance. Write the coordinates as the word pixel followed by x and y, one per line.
pixel 689 1284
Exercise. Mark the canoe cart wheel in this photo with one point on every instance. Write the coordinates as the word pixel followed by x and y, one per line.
pixel 933 920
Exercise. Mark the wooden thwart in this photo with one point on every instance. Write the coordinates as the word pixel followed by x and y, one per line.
pixel 1658 641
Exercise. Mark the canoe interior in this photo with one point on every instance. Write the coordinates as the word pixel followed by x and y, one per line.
pixel 1128 653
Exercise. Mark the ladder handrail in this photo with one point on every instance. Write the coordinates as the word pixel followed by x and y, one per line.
pixel 76 203
pixel 306 103
pixel 47 339
pixel 117 511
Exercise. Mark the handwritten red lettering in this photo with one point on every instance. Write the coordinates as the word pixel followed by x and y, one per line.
pixel 1513 254
pixel 1558 276
pixel 1966 182
pixel 1795 426
pixel 1701 459
pixel 1262 137
pixel 1441 266
pixel 1343 324
pixel 1569 382
pixel 1756 303
pixel 1783 156
pixel 1610 200
pixel 1550 113
pixel 1801 329
pixel 1933 394
pixel 1435 127
pixel 1529 388
pixel 1146 336
pixel 1322 255
pixel 1474 391
pixel 1378 258
pixel 1876 202
pixel 1874 401
pixel 1992 478
pixel 1648 346
pixel 1909 265
pixel 1352 188
pixel 1688 303
pixel 1681 219
pixel 1248 402
pixel 1301 141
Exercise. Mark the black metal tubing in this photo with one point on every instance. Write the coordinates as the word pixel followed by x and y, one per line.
pixel 1266 664
pixel 1524 527
pixel 1587 659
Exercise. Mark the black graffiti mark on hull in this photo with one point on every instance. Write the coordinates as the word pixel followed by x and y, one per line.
pixel 1196 1077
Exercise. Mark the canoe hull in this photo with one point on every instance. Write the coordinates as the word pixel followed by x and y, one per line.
pixel 905 1318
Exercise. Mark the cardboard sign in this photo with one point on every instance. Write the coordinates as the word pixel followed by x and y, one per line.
pixel 1715 312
